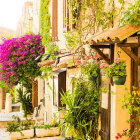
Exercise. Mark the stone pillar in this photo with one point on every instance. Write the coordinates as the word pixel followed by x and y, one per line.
pixel 8 105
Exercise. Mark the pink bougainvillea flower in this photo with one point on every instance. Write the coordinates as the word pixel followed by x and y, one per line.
pixel 103 65
pixel 96 56
pixel 18 54
pixel 117 137
pixel 117 60
pixel 87 57
pixel 78 62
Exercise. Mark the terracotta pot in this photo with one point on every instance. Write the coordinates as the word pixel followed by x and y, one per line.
pixel 22 135
pixel 54 131
pixel 119 80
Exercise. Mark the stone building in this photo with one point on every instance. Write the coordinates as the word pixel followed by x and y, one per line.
pixel 25 23
pixel 111 40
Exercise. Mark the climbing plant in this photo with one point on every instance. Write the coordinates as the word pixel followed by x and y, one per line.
pixel 88 16
pixel 132 14
pixel 45 26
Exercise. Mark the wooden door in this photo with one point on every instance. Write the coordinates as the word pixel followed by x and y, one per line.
pixel 59 86
pixel 35 93
pixel 105 112
pixel 106 103
pixel 3 97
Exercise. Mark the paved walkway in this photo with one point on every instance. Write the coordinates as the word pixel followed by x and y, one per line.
pixel 8 116
pixel 4 135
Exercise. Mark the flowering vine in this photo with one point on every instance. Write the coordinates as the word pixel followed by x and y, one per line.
pixel 131 102
pixel 17 58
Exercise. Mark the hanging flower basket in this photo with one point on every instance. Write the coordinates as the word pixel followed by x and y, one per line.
pixel 119 80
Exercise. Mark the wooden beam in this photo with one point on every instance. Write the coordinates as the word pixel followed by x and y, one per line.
pixel 102 55
pixel 130 54
pixel 100 46
pixel 133 39
pixel 131 45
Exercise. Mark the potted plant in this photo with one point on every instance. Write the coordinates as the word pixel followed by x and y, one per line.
pixel 49 129
pixel 117 70
pixel 20 129
pixel 90 67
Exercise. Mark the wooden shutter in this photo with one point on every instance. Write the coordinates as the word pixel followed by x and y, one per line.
pixel 35 93
pixel 65 16
pixel 54 20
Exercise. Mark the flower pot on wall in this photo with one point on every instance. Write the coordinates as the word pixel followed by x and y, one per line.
pixel 23 134
pixel 54 131
pixel 119 80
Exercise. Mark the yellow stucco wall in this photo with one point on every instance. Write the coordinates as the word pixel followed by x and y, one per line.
pixel 122 115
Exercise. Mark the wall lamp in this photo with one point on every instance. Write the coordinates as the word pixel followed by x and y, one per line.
pixel 58 58
pixel 55 53
pixel 38 58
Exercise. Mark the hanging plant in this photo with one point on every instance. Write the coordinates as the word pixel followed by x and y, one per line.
pixel 117 70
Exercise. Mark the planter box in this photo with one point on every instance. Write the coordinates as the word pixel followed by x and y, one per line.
pixel 18 135
pixel 54 131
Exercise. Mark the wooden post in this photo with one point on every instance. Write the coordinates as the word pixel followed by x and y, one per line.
pixel 35 93
pixel 3 97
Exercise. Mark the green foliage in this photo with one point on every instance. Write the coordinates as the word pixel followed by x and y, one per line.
pixel 116 69
pixel 17 125
pixel 26 100
pixel 131 102
pixel 43 126
pixel 45 26
pixel 55 120
pixel 82 112
pixel 12 93
pixel 72 40
pixel 132 14
pixel 93 70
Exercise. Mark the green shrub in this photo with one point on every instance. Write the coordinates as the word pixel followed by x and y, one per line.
pixel 17 125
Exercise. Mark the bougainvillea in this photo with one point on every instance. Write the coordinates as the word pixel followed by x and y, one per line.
pixel 17 58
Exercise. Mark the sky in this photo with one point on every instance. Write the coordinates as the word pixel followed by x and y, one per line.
pixel 10 12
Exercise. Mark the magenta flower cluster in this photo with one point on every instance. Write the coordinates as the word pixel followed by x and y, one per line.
pixel 17 58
